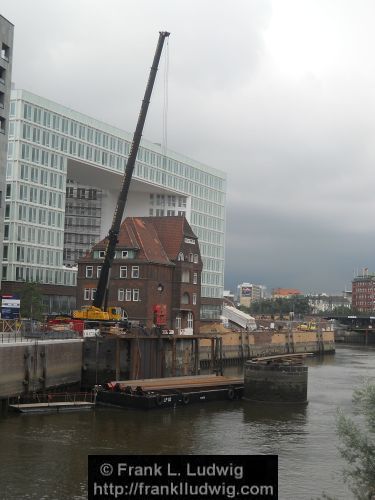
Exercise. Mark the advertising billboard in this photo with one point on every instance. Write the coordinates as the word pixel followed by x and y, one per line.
pixel 10 307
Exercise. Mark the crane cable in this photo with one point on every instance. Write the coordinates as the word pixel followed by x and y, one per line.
pixel 165 104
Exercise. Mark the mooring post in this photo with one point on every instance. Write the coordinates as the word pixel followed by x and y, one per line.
pixel 212 365
pixel 221 355
pixel 196 355
pixel 117 358
pixel 174 356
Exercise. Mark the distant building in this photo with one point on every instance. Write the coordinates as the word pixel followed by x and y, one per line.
pixel 248 293
pixel 323 302
pixel 363 292
pixel 157 263
pixel 6 53
pixel 285 293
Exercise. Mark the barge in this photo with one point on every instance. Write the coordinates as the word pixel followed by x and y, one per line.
pixel 169 392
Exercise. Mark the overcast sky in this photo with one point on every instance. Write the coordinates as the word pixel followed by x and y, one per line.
pixel 279 94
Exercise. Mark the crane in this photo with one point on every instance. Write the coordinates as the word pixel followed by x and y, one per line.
pixel 97 310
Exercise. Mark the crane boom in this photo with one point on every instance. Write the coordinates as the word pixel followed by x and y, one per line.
pixel 119 211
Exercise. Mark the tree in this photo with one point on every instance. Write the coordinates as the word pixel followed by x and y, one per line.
pixel 31 301
pixel 357 443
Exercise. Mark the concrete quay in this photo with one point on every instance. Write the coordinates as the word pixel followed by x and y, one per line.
pixel 29 365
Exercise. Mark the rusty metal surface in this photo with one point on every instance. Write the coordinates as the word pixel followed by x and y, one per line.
pixel 181 382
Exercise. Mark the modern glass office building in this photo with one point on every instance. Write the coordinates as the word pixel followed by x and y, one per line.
pixel 6 50
pixel 64 171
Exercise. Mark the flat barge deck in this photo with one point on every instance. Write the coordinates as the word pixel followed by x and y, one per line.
pixel 170 392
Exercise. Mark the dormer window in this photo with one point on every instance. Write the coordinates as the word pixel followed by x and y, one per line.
pixel 125 254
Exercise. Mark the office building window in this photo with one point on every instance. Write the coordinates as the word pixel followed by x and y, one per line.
pixel 5 52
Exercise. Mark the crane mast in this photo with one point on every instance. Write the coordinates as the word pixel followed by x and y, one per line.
pixel 121 202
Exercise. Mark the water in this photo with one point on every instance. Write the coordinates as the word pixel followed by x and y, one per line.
pixel 45 456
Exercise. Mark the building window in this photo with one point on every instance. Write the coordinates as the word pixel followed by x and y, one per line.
pixel 191 258
pixel 89 271
pixel 178 322
pixel 2 99
pixel 120 294
pixel 5 52
pixel 194 299
pixel 93 293
pixel 123 272
pixel 135 272
pixel 195 278
pixel 180 256
pixel 128 295
pixel 124 254
pixel 2 125
pixel 195 258
pixel 135 295
pixel 185 299
pixel 5 252
pixel 185 276
pixel 101 254
pixel 98 271
pixel 2 76
pixel 86 294
pixel 190 320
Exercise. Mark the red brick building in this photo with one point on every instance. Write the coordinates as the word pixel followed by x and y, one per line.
pixel 157 262
pixel 363 293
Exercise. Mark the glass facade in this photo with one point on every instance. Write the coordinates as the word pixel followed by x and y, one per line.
pixel 49 213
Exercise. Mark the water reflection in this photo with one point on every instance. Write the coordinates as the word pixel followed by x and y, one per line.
pixel 45 456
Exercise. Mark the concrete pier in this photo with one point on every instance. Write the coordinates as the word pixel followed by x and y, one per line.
pixel 276 380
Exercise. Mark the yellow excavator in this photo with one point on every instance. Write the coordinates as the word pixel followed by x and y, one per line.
pixel 91 313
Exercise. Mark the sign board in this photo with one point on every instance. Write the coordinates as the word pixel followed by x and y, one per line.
pixel 167 332
pixel 91 332
pixel 10 307
pixel 186 331
pixel 246 291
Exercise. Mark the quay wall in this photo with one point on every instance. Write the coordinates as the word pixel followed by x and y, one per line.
pixel 240 345
pixel 30 366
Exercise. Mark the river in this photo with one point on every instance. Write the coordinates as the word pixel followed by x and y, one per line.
pixel 45 456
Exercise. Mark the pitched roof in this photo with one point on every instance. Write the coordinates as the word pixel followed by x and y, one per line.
pixel 157 239
pixel 172 231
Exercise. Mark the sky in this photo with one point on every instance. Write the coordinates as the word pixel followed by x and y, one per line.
pixel 279 94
